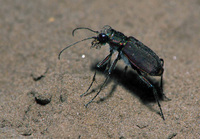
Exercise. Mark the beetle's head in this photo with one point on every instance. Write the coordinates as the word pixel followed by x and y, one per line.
pixel 102 38
pixel 107 30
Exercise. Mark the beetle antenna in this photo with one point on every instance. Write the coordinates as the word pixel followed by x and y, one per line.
pixel 84 28
pixel 74 44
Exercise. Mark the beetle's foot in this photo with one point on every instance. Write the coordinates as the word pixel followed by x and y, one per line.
pixel 165 98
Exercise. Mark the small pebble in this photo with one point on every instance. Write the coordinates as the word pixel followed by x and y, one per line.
pixel 43 99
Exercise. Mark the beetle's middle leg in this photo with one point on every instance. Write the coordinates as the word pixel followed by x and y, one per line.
pixel 125 70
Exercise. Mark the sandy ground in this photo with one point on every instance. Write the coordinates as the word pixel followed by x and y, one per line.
pixel 40 95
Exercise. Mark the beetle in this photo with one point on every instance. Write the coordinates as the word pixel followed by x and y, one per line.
pixel 133 52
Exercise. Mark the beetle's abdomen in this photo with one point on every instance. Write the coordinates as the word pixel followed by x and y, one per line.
pixel 142 57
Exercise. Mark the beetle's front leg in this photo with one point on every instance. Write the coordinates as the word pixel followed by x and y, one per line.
pixel 100 64
pixel 109 73
pixel 105 61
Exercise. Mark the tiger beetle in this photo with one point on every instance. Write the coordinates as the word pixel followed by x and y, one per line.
pixel 133 52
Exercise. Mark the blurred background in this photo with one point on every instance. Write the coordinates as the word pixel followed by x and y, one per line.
pixel 32 33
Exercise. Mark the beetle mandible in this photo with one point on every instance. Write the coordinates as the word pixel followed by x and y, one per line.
pixel 134 53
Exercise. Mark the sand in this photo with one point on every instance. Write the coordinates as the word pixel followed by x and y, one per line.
pixel 40 95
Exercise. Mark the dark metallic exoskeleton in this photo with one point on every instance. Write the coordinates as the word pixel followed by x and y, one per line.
pixel 133 52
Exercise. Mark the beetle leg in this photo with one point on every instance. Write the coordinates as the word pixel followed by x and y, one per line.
pixel 109 73
pixel 125 70
pixel 105 61
pixel 154 92
pixel 161 84
pixel 161 80
pixel 93 79
pixel 100 64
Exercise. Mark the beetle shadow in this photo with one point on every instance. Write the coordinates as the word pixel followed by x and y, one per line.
pixel 131 81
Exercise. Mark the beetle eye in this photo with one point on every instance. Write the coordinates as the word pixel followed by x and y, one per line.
pixel 103 38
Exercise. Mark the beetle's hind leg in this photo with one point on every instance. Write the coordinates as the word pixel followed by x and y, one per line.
pixel 154 92
pixel 161 80
pixel 161 84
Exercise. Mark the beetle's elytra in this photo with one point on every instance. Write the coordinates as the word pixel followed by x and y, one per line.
pixel 133 52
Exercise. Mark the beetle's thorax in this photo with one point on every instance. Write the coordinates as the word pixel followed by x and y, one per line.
pixel 116 39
